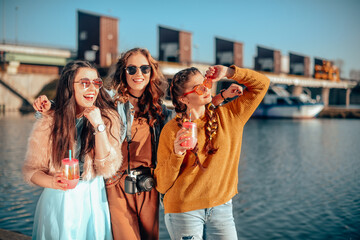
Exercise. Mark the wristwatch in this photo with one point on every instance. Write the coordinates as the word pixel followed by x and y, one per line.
pixel 100 128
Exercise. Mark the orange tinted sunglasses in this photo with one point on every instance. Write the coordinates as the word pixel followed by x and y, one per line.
pixel 201 88
pixel 85 82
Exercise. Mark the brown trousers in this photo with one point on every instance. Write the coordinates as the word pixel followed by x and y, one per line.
pixel 133 216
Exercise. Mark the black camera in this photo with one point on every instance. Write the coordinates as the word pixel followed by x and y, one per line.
pixel 139 180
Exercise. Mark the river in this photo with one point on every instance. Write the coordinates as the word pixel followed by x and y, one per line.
pixel 298 179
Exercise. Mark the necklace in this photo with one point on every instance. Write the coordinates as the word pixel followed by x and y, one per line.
pixel 135 96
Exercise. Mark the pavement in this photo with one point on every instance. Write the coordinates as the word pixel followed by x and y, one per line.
pixel 9 235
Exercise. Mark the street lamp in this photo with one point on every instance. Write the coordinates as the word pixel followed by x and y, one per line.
pixel 16 25
pixel 3 22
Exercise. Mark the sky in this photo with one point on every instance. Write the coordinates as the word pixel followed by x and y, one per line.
pixel 327 29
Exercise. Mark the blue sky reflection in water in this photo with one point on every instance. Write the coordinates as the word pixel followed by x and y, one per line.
pixel 298 179
pixel 17 199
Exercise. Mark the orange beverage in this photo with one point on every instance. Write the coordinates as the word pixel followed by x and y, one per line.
pixel 70 170
pixel 191 126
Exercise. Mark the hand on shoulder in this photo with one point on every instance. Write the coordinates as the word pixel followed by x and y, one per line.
pixel 42 104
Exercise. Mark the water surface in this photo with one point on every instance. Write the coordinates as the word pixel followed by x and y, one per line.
pixel 298 179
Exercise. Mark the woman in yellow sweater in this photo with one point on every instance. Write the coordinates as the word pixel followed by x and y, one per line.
pixel 198 184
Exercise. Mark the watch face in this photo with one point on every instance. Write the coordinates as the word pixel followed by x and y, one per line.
pixel 101 128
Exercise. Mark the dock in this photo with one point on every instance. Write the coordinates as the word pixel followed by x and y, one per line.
pixel 334 112
pixel 6 234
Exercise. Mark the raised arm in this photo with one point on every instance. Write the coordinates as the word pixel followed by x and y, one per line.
pixel 232 91
pixel 108 157
pixel 256 84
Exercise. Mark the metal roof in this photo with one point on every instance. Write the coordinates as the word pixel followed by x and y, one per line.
pixel 35 50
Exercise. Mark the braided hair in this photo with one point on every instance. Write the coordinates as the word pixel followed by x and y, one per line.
pixel 177 90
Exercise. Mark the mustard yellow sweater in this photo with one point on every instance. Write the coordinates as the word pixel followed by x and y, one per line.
pixel 188 187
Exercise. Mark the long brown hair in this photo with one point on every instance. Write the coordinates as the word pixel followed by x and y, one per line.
pixel 150 102
pixel 177 90
pixel 64 132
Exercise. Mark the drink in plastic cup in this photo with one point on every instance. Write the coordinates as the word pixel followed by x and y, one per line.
pixel 70 170
pixel 191 126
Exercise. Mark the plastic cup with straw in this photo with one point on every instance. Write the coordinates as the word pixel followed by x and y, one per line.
pixel 71 171
pixel 192 128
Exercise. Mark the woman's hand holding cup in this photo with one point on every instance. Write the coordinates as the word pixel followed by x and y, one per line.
pixel 58 182
pixel 186 138
pixel 181 137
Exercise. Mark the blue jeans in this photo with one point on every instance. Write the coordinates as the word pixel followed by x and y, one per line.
pixel 209 223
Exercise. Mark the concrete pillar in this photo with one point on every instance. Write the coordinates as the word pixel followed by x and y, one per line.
pixel 238 54
pixel 325 92
pixel 185 43
pixel 297 90
pixel 347 101
pixel 277 62
pixel 306 66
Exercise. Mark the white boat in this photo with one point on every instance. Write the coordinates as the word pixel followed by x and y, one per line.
pixel 278 103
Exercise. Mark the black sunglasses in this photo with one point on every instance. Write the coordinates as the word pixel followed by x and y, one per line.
pixel 145 69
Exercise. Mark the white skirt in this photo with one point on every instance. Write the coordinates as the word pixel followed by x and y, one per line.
pixel 79 213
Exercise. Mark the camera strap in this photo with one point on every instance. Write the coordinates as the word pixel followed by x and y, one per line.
pixel 128 131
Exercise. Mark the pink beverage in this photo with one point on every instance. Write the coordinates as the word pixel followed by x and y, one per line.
pixel 191 126
pixel 70 170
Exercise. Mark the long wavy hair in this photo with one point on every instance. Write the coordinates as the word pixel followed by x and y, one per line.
pixel 150 102
pixel 177 90
pixel 64 133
